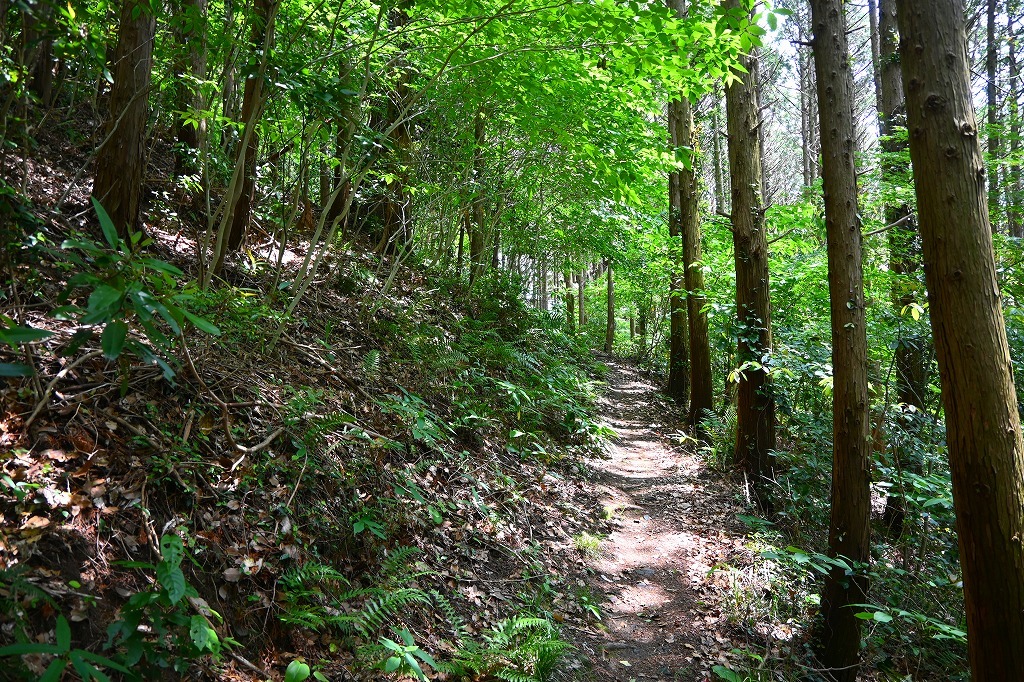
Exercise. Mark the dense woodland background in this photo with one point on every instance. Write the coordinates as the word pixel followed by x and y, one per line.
pixel 301 304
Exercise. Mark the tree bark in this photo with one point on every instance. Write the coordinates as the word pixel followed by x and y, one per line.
pixel 477 247
pixel 609 334
pixel 678 370
pixel 570 312
pixel 755 402
pixel 121 162
pixel 992 95
pixel 910 357
pixel 190 64
pixel 1015 219
pixel 583 297
pixel 839 635
pixel 262 38
pixel 702 391
pixel 716 155
pixel 983 434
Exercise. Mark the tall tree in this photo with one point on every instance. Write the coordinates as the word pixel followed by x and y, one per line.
pixel 262 38
pixel 1014 217
pixel 986 453
pixel 755 402
pixel 910 361
pixel 848 536
pixel 121 160
pixel 609 330
pixel 702 390
pixel 477 244
pixel 992 95
pixel 682 207
pixel 189 66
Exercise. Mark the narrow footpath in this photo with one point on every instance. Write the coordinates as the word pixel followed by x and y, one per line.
pixel 666 571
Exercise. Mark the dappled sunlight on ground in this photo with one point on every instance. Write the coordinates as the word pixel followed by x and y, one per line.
pixel 658 571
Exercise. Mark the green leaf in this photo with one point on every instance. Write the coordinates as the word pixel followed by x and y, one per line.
pixel 203 636
pixel 102 301
pixel 28 648
pixel 15 369
pixel 15 335
pixel 113 338
pixel 172 549
pixel 882 617
pixel 726 674
pixel 101 660
pixel 172 580
pixel 63 634
pixel 317 675
pixel 162 266
pixel 87 670
pixel 391 665
pixel 201 324
pixel 54 670
pixel 297 671
pixel 106 224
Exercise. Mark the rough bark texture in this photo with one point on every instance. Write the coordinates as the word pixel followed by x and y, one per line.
pixel 396 215
pixel 702 391
pixel 609 333
pixel 252 110
pixel 190 62
pixel 910 362
pixel 716 156
pixel 678 365
pixel 982 423
pixel 477 247
pixel 839 635
pixel 570 308
pixel 121 162
pixel 992 95
pixel 755 403
pixel 39 32
pixel 583 297
pixel 1014 217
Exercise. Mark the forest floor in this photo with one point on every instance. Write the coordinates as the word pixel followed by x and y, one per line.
pixel 663 573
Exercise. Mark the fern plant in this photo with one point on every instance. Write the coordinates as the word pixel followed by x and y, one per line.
pixel 520 649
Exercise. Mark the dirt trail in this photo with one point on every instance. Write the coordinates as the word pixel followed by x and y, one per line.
pixel 673 523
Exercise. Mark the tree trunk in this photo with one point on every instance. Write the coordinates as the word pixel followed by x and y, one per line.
pixel 910 361
pixel 701 389
pixel 262 38
pixel 1015 219
pixel 39 43
pixel 121 162
pixel 848 538
pixel 570 312
pixel 982 422
pixel 678 371
pixel 396 216
pixel 476 234
pixel 609 334
pixel 190 64
pixel 992 95
pixel 583 298
pixel 716 155
pixel 755 402
pixel 348 111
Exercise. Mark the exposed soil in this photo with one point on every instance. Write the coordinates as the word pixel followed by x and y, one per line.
pixel 673 525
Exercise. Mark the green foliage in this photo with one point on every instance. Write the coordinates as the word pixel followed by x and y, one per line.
pixel 155 630
pixel 14 335
pixel 126 289
pixel 520 649
pixel 87 665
